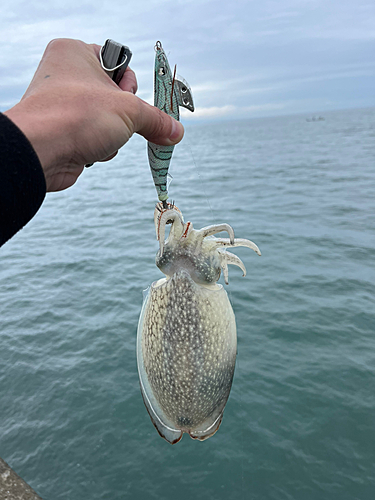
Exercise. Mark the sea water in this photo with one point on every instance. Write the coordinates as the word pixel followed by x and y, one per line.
pixel 299 423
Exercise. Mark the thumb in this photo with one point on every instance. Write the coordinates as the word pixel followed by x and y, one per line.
pixel 153 124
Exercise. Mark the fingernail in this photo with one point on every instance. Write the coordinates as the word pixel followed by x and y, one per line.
pixel 177 130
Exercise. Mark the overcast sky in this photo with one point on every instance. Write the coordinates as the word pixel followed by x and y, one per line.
pixel 241 58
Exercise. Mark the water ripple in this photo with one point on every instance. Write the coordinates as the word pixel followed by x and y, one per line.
pixel 299 422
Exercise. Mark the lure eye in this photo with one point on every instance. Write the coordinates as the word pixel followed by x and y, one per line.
pixel 183 90
pixel 162 71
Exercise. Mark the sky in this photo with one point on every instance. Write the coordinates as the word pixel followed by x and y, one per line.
pixel 242 59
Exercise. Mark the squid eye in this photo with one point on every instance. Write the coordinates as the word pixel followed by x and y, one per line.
pixel 162 71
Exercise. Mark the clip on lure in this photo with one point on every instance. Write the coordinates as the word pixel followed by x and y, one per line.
pixel 114 59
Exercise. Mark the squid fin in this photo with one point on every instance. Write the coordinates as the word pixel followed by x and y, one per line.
pixel 203 432
pixel 171 435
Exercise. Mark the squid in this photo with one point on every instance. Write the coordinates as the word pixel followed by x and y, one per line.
pixel 186 338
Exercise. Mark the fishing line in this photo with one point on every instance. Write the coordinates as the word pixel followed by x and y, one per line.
pixel 238 369
pixel 213 218
pixel 201 183
pixel 243 442
pixel 230 297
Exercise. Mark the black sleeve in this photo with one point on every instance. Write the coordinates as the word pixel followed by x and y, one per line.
pixel 22 182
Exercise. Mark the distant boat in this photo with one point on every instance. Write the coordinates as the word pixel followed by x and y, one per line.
pixel 315 119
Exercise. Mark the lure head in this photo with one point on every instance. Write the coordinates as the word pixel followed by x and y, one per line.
pixel 165 92
pixel 191 250
pixel 170 91
pixel 162 69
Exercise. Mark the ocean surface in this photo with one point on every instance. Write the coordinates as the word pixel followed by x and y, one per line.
pixel 300 420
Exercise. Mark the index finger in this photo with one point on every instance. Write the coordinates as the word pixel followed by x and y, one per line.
pixel 128 81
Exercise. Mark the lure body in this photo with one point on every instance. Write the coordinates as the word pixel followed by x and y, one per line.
pixel 186 341
pixel 169 93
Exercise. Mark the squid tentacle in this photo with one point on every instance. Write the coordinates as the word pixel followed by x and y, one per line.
pixel 217 228
pixel 238 242
pixel 164 217
pixel 230 258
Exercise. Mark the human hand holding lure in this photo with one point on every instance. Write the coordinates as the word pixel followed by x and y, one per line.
pixel 73 114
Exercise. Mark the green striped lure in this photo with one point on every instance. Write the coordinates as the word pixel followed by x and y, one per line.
pixel 170 92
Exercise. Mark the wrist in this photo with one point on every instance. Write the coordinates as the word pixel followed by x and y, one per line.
pixel 43 130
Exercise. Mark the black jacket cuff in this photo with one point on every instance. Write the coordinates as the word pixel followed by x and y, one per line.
pixel 22 181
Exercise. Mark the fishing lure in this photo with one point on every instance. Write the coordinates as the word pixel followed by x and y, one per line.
pixel 170 92
pixel 186 339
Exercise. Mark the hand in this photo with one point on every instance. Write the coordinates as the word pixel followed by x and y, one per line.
pixel 74 114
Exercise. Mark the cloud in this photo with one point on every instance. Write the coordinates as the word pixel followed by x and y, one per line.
pixel 211 112
pixel 253 58
pixel 230 111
